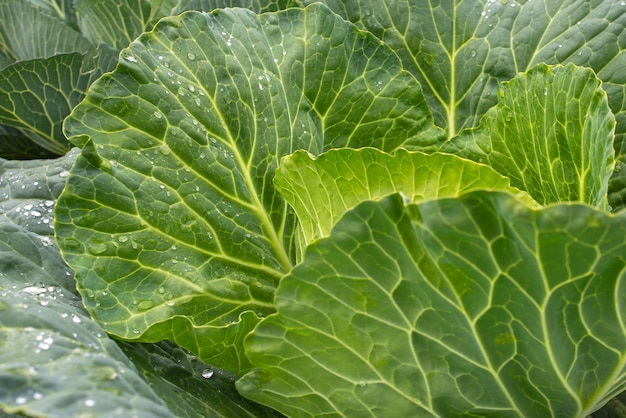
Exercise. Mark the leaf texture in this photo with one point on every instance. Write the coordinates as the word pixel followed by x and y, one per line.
pixel 322 189
pixel 469 306
pixel 170 218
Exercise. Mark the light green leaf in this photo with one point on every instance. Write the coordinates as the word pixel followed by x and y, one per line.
pixel 170 217
pixel 322 189
pixel 469 306
pixel 257 6
pixel 551 134
pixel 27 32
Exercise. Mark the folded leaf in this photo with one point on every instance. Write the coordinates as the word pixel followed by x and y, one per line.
pixel 170 218
pixel 322 189
pixel 28 190
pixel 551 134
pixel 469 306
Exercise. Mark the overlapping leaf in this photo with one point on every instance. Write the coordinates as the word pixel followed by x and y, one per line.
pixel 460 50
pixel 474 306
pixel 170 218
pixel 551 134
pixel 322 189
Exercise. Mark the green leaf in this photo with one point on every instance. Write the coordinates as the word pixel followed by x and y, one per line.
pixel 551 134
pixel 189 387
pixel 469 306
pixel 28 32
pixel 322 189
pixel 54 360
pixel 114 22
pixel 459 50
pixel 257 6
pixel 28 190
pixel 36 95
pixel 170 218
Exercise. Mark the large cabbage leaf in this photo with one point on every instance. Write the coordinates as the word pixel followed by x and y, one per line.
pixel 170 218
pixel 469 306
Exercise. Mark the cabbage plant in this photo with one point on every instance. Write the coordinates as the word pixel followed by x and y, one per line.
pixel 362 208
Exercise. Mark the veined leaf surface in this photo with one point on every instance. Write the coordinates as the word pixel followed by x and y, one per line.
pixel 469 306
pixel 551 133
pixel 170 218
pixel 322 189
pixel 459 50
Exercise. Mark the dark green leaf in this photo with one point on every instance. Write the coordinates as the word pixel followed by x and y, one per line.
pixel 54 360
pixel 36 95
pixel 28 190
pixel 27 32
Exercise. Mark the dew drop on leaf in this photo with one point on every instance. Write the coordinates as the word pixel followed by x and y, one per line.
pixel 96 246
pixel 145 305
pixel 207 373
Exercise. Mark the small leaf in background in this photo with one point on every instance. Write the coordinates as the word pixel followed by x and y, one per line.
pixel 36 95
pixel 28 33
pixel 170 217
pixel 451 307
pixel 322 189
pixel 551 133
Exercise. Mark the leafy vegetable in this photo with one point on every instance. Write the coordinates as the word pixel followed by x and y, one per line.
pixel 461 50
pixel 452 307
pixel 249 189
pixel 171 206
pixel 55 360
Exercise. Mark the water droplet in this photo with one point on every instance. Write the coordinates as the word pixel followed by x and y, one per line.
pixel 64 173
pixel 136 331
pixel 89 402
pixel 165 150
pixel 473 53
pixel 158 115
pixel 20 400
pixel 191 56
pixel 207 373
pixel 130 58
pixel 75 319
pixel 96 246
pixel 161 290
pixel 545 92
pixel 145 305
